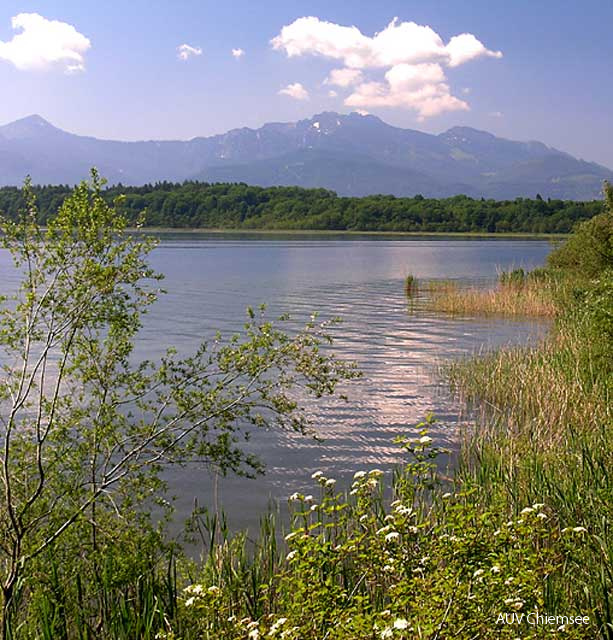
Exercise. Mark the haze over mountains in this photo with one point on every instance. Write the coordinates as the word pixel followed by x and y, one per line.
pixel 351 154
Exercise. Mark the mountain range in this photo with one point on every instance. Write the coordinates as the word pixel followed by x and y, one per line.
pixel 351 154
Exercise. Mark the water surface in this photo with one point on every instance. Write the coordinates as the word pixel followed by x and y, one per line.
pixel 211 279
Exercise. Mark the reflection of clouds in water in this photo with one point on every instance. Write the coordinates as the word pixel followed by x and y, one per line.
pixel 211 281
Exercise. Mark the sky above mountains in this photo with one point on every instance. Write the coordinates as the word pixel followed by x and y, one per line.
pixel 154 69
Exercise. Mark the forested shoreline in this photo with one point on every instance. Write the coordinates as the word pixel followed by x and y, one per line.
pixel 202 205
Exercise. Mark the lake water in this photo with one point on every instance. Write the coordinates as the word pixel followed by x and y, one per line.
pixel 212 278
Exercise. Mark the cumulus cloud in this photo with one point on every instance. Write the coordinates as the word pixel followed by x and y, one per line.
pixel 296 91
pixel 466 47
pixel 186 51
pixel 401 66
pixel 44 44
pixel 344 77
pixel 421 87
pixel 238 53
pixel 332 94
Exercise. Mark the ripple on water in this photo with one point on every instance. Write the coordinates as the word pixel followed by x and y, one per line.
pixel 211 280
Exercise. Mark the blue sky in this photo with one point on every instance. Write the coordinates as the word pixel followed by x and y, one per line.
pixel 118 73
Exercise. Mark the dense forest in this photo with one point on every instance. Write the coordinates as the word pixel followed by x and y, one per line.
pixel 237 205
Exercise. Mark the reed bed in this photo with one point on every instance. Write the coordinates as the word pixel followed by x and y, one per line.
pixel 544 435
pixel 529 299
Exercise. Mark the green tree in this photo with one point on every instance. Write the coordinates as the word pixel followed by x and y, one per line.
pixel 84 430
pixel 589 251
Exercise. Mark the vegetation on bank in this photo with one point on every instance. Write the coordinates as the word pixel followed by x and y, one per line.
pixel 522 528
pixel 240 206
pixel 517 293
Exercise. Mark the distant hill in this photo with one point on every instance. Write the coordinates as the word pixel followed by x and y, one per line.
pixel 353 154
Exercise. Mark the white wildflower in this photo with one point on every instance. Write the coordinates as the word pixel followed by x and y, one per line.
pixel 392 536
pixel 400 623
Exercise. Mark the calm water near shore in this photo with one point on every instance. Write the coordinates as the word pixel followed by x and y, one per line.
pixel 211 279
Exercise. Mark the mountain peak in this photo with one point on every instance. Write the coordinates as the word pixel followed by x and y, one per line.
pixel 35 120
pixel 351 153
pixel 467 133
pixel 29 127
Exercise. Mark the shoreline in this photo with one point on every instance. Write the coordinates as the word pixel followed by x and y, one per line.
pixel 334 232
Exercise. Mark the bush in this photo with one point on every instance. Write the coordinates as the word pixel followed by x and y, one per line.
pixel 589 251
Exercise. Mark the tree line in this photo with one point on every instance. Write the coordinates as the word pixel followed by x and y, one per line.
pixel 240 206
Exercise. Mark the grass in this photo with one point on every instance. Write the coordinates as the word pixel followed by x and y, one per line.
pixel 545 435
pixel 509 297
pixel 410 286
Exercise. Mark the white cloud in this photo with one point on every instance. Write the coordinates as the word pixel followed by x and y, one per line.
pixel 44 44
pixel 186 51
pixel 466 47
pixel 296 91
pixel 399 42
pixel 332 94
pixel 496 114
pixel 238 53
pixel 466 90
pixel 412 56
pixel 344 77
pixel 427 99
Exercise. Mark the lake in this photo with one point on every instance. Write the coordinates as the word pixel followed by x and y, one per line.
pixel 212 278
